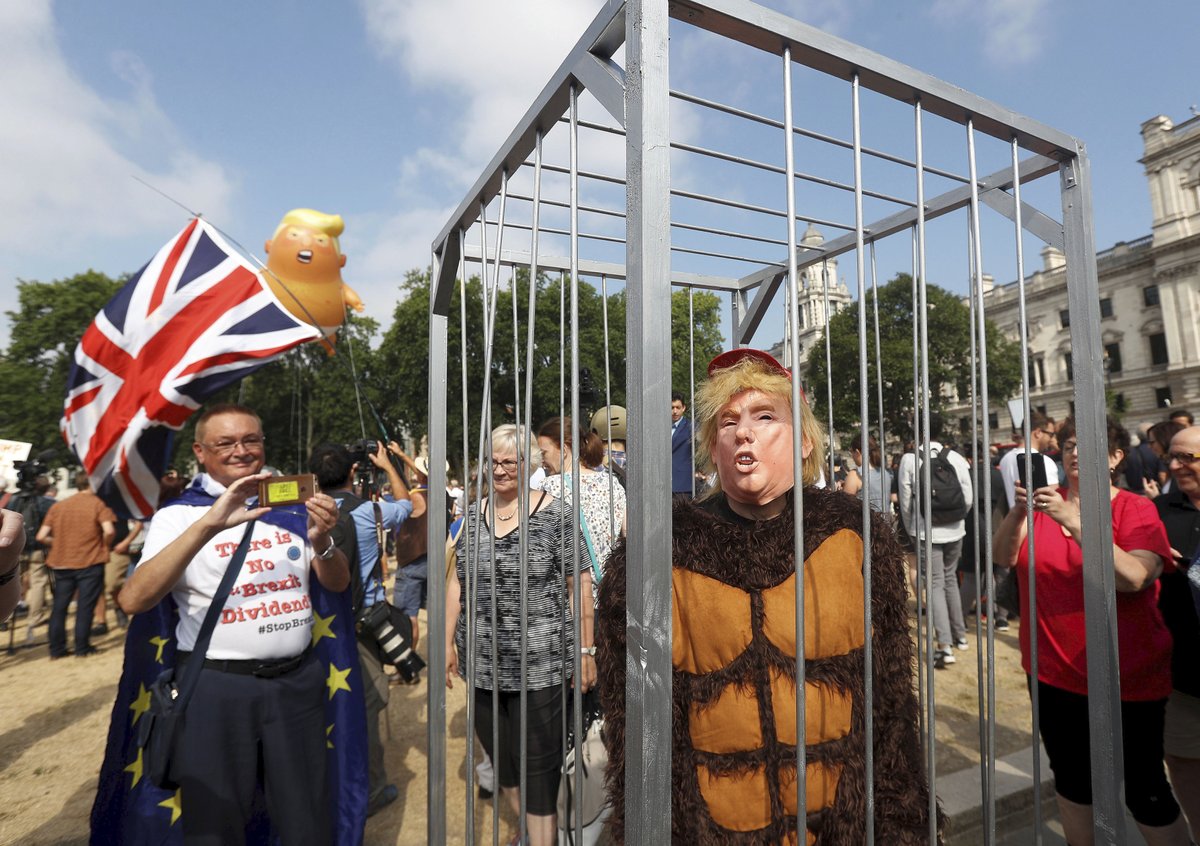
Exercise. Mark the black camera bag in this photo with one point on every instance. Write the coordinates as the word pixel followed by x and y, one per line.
pixel 169 694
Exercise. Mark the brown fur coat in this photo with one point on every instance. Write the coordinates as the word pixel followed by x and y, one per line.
pixel 733 651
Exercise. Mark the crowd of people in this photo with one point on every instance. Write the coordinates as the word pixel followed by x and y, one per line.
pixel 1155 509
pixel 535 593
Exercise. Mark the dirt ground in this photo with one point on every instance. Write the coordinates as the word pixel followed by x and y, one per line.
pixel 55 719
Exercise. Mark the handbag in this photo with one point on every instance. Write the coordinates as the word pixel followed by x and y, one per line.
pixel 169 695
pixel 590 804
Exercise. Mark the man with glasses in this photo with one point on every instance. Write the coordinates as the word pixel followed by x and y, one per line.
pixel 257 713
pixel 1179 509
pixel 1042 439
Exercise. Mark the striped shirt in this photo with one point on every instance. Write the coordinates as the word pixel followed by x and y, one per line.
pixel 551 628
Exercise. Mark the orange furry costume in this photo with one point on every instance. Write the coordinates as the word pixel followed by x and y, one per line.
pixel 733 683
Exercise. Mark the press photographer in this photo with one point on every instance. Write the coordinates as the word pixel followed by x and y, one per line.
pixel 364 519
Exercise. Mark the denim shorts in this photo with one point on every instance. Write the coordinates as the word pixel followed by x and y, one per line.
pixel 412 582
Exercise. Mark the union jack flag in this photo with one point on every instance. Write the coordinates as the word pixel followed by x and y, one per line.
pixel 195 319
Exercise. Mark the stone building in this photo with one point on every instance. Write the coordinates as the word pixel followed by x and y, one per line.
pixel 813 282
pixel 1149 300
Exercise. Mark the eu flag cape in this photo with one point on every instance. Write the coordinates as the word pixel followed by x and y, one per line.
pixel 130 810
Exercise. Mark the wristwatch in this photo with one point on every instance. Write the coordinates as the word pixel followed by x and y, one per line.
pixel 328 553
pixel 588 650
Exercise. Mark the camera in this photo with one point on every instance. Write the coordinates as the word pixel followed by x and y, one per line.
pixel 361 451
pixel 29 471
pixel 392 630
pixel 365 479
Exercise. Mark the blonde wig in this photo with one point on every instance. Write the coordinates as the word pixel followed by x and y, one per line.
pixel 752 374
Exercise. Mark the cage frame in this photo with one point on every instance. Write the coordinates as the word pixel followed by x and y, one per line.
pixel 637 96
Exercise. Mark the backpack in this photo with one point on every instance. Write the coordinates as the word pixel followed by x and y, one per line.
pixel 948 503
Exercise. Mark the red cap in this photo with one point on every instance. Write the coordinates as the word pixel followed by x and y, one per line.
pixel 728 359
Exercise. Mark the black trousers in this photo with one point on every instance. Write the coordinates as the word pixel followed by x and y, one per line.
pixel 1063 716
pixel 240 730
pixel 89 581
pixel 543 738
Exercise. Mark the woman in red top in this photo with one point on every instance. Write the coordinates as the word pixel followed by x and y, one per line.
pixel 1140 551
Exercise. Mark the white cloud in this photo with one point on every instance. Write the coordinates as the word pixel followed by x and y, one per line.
pixel 383 249
pixel 67 153
pixel 493 58
pixel 481 73
pixel 1012 32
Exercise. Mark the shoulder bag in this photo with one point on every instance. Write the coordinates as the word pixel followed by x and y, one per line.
pixel 169 694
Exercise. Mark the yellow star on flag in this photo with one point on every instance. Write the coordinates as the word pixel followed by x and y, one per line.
pixel 337 679
pixel 160 642
pixel 329 731
pixel 136 769
pixel 140 705
pixel 321 627
pixel 175 803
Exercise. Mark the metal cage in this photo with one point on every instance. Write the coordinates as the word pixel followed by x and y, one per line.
pixel 889 159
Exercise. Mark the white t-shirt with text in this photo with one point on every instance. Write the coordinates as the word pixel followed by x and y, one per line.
pixel 268 614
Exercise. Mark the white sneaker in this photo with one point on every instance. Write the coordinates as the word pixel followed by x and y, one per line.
pixel 943 658
pixel 961 643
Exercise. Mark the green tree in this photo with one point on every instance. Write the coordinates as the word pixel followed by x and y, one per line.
pixel 705 337
pixel 403 355
pixel 950 363
pixel 47 324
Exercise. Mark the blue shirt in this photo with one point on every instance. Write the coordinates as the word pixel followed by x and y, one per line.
pixel 392 513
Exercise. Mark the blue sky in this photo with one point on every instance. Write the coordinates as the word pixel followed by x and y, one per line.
pixel 385 111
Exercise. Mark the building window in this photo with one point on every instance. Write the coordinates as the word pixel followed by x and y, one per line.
pixel 1038 375
pixel 1070 368
pixel 1071 404
pixel 993 421
pixel 1162 397
pixel 1106 307
pixel 1120 406
pixel 1158 348
pixel 1150 296
pixel 964 425
pixel 1064 318
pixel 1112 355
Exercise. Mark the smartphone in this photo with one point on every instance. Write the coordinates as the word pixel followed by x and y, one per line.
pixel 1039 472
pixel 286 490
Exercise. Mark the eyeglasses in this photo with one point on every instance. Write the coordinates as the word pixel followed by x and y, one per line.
pixel 250 443
pixel 1070 446
pixel 1183 457
pixel 508 465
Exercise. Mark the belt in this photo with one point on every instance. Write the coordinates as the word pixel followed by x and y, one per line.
pixel 251 667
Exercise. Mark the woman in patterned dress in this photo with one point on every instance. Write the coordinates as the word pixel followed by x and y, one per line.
pixel 601 495
pixel 488 550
